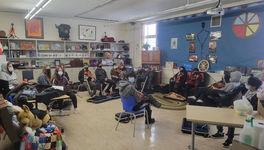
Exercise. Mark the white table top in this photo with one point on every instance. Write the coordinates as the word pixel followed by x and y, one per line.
pixel 216 116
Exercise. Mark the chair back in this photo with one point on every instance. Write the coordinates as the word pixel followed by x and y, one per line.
pixel 128 103
pixel 4 87
pixel 230 98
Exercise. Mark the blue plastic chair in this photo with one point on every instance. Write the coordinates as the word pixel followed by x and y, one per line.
pixel 128 104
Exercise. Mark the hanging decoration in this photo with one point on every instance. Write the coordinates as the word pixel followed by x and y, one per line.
pixel 246 24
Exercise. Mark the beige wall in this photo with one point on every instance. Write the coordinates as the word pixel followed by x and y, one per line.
pixel 51 33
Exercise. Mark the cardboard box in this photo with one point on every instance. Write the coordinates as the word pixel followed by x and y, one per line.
pixel 260 108
pixel 236 145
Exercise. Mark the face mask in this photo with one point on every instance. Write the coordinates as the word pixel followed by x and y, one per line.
pixel 86 69
pixel 230 79
pixel 60 73
pixel 131 80
pixel 146 69
pixel 11 69
pixel 115 67
pixel 247 87
pixel 99 66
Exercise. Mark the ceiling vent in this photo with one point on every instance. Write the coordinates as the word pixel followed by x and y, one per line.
pixel 216 21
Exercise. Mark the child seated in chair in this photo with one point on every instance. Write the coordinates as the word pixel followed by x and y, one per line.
pixel 127 88
pixel 101 76
pixel 179 79
pixel 252 87
pixel 60 80
pixel 193 80
pixel 7 74
pixel 85 77
pixel 235 78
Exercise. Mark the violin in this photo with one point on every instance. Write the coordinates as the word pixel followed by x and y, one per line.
pixel 88 73
pixel 12 30
pixel 141 95
pixel 178 77
pixel 218 85
pixel 118 70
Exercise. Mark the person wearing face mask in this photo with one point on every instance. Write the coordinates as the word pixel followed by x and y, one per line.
pixel 65 73
pixel 179 79
pixel 143 73
pixel 86 77
pixel 101 75
pixel 251 89
pixel 7 73
pixel 193 80
pixel 204 91
pixel 45 77
pixel 59 79
pixel 127 88
pixel 115 74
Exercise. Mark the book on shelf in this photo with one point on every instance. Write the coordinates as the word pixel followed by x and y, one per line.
pixel 57 46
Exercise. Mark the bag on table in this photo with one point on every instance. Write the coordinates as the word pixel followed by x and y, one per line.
pixel 243 107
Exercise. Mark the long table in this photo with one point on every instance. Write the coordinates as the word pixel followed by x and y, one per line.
pixel 214 116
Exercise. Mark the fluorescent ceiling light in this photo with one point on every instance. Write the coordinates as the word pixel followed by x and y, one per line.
pixel 46 4
pixel 32 10
pixel 40 5
pixel 38 11
pixel 32 16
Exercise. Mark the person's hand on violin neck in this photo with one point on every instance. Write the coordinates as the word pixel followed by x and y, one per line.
pixel 106 79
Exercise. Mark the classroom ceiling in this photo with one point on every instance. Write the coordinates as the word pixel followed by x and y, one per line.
pixel 116 10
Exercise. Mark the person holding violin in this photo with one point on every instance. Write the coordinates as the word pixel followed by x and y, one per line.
pixel 179 79
pixel 103 79
pixel 59 79
pixel 217 85
pixel 127 88
pixel 193 80
pixel 86 77
pixel 115 72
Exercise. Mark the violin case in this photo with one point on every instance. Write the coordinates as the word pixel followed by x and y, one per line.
pixel 200 128
pixel 100 99
pixel 175 96
pixel 126 117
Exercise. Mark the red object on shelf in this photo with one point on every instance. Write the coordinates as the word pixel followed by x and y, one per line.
pixel 109 39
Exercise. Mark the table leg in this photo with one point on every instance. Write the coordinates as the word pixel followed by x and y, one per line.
pixel 193 136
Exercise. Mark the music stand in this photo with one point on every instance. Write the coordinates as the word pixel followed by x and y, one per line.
pixel 27 74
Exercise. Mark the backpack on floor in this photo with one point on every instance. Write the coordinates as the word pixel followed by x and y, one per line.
pixel 200 128
pixel 125 118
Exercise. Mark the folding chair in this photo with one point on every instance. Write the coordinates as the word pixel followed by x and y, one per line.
pixel 128 104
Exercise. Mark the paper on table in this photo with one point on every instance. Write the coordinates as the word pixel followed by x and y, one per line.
pixel 58 87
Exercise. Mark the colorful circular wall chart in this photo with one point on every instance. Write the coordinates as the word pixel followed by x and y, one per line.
pixel 246 24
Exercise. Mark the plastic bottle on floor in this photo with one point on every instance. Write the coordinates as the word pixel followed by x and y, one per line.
pixel 246 134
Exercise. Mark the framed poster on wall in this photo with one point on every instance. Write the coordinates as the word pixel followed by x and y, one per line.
pixel 87 32
pixel 34 28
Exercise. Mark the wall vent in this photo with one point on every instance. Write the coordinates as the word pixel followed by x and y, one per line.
pixel 216 21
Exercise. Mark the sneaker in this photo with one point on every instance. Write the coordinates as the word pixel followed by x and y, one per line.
pixel 75 110
pixel 227 143
pixel 156 104
pixel 199 101
pixel 218 134
pixel 152 120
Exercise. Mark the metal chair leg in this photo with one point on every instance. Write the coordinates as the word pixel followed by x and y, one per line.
pixel 118 120
pixel 78 91
pixel 134 124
